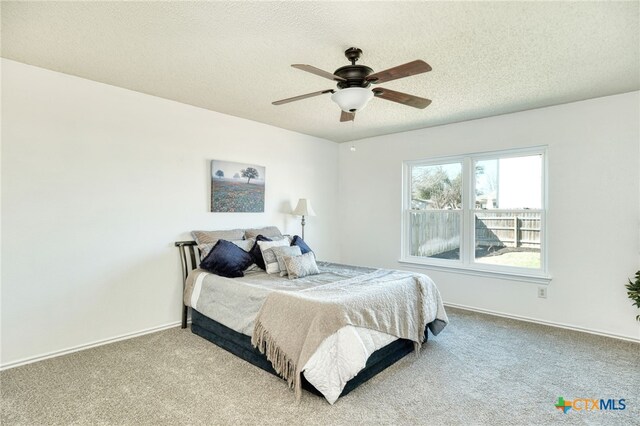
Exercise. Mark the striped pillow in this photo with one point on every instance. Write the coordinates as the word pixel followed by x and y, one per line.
pixel 270 260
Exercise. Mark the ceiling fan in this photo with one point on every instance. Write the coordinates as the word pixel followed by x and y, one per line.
pixel 353 91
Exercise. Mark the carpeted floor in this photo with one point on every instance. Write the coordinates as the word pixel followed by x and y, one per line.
pixel 480 370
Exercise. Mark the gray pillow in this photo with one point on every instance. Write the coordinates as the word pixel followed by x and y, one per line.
pixel 245 245
pixel 268 231
pixel 211 237
pixel 204 250
pixel 301 266
pixel 270 261
pixel 281 252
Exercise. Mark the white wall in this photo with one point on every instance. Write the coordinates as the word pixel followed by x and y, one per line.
pixel 593 214
pixel 97 184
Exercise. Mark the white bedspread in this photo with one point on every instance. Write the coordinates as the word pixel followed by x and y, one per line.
pixel 235 304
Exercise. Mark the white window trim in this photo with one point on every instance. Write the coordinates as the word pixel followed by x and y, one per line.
pixel 466 264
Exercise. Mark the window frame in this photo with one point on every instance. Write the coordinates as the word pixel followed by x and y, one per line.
pixel 467 264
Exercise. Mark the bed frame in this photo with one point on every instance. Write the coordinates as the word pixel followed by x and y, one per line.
pixel 240 344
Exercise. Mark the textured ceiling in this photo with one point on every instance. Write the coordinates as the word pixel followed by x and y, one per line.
pixel 488 58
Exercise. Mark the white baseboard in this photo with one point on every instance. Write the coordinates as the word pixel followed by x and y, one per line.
pixel 87 346
pixel 543 322
pixel 78 348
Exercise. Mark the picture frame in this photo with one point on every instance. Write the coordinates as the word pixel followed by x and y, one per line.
pixel 237 187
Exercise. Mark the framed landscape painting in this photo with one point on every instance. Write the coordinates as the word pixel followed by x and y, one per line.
pixel 237 187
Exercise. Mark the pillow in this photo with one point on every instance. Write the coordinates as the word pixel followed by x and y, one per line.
pixel 256 253
pixel 269 231
pixel 227 260
pixel 301 266
pixel 246 245
pixel 283 251
pixel 205 249
pixel 297 241
pixel 211 237
pixel 270 261
pixel 243 244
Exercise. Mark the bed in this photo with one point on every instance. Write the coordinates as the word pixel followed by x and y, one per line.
pixel 225 311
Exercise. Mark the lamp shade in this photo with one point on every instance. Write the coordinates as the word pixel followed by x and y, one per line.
pixel 352 99
pixel 304 208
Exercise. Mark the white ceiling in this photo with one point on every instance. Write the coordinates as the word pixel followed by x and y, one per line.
pixel 488 58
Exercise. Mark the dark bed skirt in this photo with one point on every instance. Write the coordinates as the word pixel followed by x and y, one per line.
pixel 240 345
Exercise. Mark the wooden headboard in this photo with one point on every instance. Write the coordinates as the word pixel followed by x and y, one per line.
pixel 190 259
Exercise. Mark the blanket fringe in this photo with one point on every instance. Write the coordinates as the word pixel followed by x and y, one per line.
pixel 284 366
pixel 416 348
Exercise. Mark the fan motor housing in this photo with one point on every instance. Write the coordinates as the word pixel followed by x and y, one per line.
pixel 354 75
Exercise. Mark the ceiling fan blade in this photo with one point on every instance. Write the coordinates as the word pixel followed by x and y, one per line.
pixel 318 71
pixel 401 71
pixel 347 116
pixel 401 98
pixel 297 98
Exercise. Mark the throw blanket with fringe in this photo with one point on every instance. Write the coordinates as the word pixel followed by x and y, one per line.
pixel 291 325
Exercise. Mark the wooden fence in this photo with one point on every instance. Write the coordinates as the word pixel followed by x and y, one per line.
pixel 515 228
pixel 433 232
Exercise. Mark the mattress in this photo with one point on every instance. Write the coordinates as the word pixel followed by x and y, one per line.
pixel 240 345
pixel 235 303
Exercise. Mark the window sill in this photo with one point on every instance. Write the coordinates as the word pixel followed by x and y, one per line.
pixel 512 276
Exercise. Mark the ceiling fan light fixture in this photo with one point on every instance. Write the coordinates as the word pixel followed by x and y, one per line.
pixel 352 99
pixel 353 80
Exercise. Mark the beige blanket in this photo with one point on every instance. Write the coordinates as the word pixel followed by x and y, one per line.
pixel 291 325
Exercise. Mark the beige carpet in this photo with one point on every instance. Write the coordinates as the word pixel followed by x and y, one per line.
pixel 480 370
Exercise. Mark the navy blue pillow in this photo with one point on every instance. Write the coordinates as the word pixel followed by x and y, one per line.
pixel 227 260
pixel 297 241
pixel 255 252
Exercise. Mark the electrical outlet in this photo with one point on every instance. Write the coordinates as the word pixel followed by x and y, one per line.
pixel 542 292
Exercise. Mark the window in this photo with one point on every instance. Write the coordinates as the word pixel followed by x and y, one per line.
pixel 479 212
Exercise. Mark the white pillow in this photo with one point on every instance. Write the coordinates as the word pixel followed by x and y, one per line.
pixel 270 260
